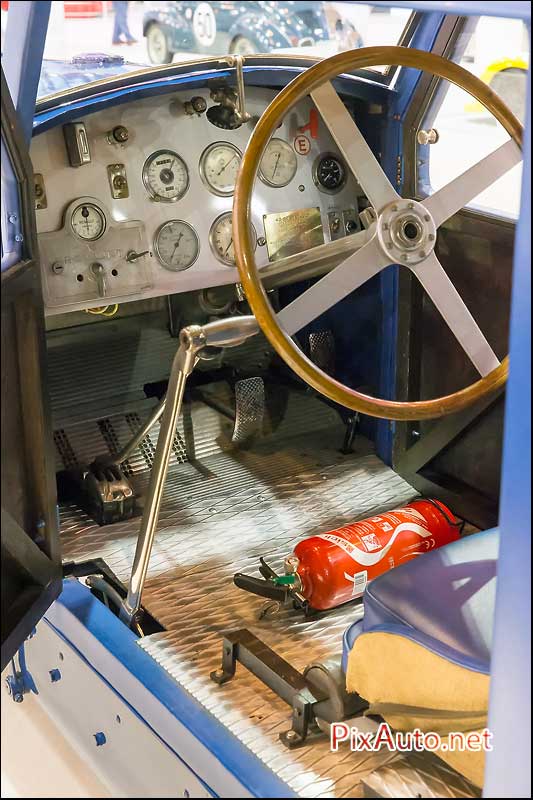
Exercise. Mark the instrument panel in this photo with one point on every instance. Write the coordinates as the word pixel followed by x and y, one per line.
pixel 145 209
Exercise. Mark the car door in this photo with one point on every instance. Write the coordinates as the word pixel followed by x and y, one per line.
pixel 31 565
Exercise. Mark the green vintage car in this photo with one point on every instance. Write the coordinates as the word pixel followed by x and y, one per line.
pixel 232 27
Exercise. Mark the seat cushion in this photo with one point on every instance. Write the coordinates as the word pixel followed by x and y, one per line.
pixel 443 600
pixel 421 654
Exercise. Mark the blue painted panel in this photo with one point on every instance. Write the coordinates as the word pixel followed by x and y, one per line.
pixel 121 644
pixel 517 9
pixel 27 24
pixel 508 766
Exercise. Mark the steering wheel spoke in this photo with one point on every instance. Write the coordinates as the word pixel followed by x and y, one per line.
pixel 352 144
pixel 462 324
pixel 336 285
pixel 444 203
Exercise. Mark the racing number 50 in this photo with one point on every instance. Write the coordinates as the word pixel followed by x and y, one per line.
pixel 204 24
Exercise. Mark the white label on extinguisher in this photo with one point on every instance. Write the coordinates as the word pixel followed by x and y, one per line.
pixel 359 580
pixel 369 559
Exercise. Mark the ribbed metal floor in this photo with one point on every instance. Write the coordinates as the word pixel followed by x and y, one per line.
pixel 222 509
pixel 241 506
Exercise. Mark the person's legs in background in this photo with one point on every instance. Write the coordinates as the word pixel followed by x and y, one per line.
pixel 121 28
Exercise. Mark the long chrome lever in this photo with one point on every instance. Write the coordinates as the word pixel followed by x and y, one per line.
pixel 222 333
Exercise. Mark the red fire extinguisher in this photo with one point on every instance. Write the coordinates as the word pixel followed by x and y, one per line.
pixel 332 568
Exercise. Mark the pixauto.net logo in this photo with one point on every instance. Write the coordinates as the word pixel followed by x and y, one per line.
pixel 408 741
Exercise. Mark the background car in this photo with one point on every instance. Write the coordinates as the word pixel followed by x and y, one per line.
pixel 231 27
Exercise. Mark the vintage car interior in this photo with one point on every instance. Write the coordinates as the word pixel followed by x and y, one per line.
pixel 242 317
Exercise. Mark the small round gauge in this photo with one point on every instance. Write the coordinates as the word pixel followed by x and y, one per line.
pixel 219 166
pixel 221 239
pixel 329 173
pixel 176 245
pixel 88 221
pixel 165 176
pixel 278 165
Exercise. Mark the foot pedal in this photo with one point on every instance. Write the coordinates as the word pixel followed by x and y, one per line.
pixel 322 351
pixel 249 409
pixel 102 490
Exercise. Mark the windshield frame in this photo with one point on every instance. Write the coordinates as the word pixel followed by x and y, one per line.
pixel 203 62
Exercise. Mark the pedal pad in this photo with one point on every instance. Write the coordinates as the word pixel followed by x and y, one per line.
pixel 249 409
pixel 322 350
pixel 102 490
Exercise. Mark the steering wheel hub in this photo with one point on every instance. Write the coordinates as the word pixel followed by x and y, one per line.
pixel 406 232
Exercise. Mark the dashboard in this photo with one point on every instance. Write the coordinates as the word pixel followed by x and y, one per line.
pixel 135 201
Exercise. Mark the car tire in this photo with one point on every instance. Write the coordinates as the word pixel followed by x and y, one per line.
pixel 510 84
pixel 157 45
pixel 242 46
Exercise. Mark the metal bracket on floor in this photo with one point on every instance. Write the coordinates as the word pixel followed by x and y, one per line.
pixel 278 675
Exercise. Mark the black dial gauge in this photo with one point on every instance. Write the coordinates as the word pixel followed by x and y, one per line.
pixel 329 173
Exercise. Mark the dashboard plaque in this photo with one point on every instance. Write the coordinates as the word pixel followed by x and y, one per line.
pixel 290 232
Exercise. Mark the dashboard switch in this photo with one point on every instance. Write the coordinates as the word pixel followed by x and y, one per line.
pixel 336 229
pixel 119 135
pixel 118 182
pixel 351 221
pixel 196 105
pixel 77 144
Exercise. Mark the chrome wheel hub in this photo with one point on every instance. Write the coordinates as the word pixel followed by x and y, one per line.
pixel 406 232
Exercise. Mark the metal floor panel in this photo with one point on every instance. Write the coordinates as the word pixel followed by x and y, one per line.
pixel 244 505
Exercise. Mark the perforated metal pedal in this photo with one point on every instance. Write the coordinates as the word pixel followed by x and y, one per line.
pixel 249 409
pixel 322 350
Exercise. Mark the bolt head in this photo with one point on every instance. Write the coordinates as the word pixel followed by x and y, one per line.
pixel 410 205
pixel 427 217
pixel 12 218
pixel 17 697
pixel 291 735
pixel 431 237
pixel 405 257
pixel 422 254
pixel 19 237
pixel 395 208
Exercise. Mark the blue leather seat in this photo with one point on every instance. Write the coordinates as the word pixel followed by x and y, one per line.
pixel 443 600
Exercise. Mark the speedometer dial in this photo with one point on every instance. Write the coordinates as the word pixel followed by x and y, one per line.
pixel 176 245
pixel 221 239
pixel 88 221
pixel 219 166
pixel 278 165
pixel 165 176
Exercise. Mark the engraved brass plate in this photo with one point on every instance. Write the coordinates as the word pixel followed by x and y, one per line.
pixel 290 232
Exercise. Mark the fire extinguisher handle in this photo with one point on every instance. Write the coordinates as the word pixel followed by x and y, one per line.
pixel 259 586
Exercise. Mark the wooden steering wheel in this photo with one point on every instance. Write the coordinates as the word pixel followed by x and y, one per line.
pixel 404 232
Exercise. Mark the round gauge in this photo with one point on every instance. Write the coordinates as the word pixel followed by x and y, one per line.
pixel 221 239
pixel 219 166
pixel 278 165
pixel 329 173
pixel 176 245
pixel 165 176
pixel 88 221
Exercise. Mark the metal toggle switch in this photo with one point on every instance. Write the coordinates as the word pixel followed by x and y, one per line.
pixel 98 271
